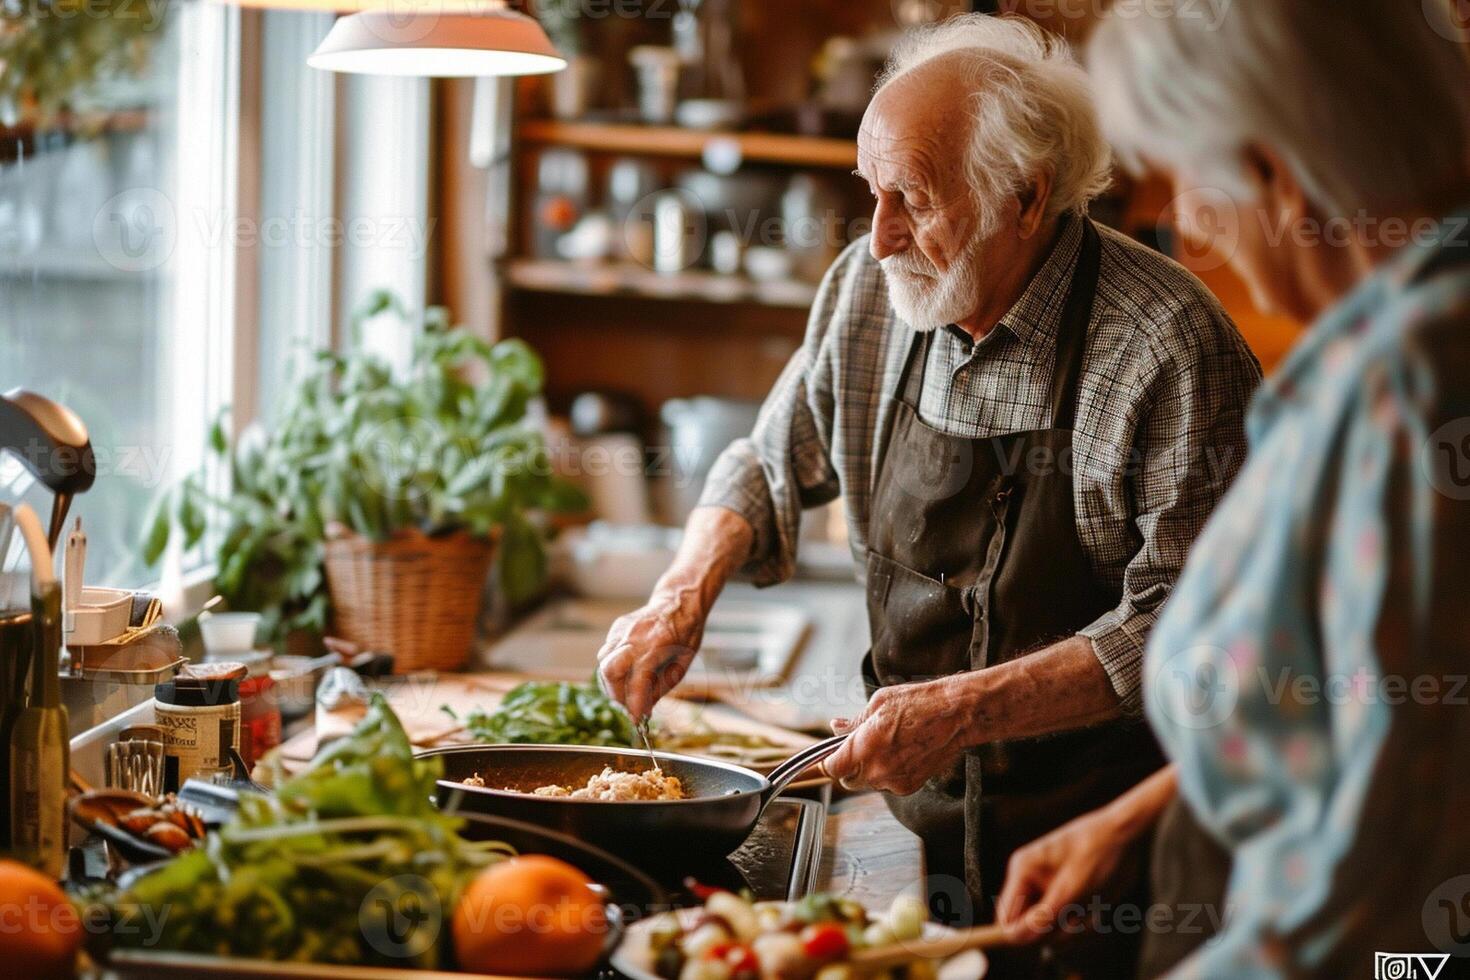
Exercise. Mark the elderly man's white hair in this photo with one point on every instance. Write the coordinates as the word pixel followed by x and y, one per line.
pixel 1367 101
pixel 1031 105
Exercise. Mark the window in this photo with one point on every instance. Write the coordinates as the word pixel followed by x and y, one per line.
pixel 226 214
pixel 115 291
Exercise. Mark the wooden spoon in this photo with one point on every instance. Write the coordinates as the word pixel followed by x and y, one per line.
pixel 880 958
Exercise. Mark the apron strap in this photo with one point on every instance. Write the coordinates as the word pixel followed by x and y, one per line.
pixel 911 382
pixel 1072 333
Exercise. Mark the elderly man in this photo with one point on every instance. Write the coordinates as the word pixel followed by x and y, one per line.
pixel 1028 418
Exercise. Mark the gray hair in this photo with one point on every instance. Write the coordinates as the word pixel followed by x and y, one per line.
pixel 1366 102
pixel 1031 106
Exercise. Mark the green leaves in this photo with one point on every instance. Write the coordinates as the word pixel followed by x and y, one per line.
pixel 443 449
pixel 552 713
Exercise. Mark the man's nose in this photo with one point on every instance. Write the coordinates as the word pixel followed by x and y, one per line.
pixel 890 231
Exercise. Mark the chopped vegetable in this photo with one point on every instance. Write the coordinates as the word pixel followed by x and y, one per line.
pixel 827 941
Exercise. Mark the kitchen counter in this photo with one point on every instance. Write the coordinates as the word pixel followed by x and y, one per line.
pixel 867 855
pixel 826 681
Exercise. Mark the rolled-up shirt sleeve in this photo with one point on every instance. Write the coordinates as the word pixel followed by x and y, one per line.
pixel 785 465
pixel 1190 442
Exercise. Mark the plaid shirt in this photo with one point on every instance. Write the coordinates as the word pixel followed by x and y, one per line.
pixel 1159 431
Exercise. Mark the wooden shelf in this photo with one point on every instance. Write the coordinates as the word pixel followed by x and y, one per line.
pixel 800 151
pixel 628 279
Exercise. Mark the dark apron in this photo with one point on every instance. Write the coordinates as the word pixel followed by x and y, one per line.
pixel 974 560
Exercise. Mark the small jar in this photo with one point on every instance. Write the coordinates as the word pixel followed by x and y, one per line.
pixel 260 712
pixel 200 718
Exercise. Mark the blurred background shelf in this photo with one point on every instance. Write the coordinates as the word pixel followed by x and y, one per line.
pixel 630 279
pixel 754 147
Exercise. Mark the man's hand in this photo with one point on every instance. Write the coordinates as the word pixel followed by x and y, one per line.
pixel 906 735
pixel 648 651
pixel 1078 859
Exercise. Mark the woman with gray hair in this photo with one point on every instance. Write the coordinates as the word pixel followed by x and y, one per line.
pixel 1307 677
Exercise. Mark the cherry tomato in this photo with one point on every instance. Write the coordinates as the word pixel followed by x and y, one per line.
pixel 740 959
pixel 826 941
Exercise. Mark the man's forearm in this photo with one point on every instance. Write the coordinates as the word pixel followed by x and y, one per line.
pixel 1058 688
pixel 716 543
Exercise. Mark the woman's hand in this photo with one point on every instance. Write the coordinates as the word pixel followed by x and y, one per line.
pixel 905 736
pixel 1078 859
pixel 1067 866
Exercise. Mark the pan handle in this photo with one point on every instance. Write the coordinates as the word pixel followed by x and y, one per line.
pixel 800 761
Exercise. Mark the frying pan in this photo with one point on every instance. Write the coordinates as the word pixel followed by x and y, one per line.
pixel 725 801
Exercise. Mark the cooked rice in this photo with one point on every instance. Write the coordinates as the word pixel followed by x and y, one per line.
pixel 611 786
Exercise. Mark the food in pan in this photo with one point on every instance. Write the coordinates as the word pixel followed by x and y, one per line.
pixel 608 786
pixel 612 786
pixel 327 870
pixel 735 939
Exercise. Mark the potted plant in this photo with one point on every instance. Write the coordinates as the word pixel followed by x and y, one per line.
pixel 375 505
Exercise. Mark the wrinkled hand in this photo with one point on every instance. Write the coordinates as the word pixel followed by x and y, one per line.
pixel 1065 867
pixel 905 736
pixel 647 653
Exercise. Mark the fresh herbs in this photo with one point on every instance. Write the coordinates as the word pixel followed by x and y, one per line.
pixel 329 869
pixel 443 447
pixel 552 713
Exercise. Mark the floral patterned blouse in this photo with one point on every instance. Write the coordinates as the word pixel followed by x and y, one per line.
pixel 1309 673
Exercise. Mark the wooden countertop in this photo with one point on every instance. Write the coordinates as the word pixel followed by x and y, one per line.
pixel 867 855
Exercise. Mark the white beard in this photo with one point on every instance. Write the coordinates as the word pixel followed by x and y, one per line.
pixel 927 299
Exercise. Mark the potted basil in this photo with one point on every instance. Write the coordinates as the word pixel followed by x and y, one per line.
pixel 377 504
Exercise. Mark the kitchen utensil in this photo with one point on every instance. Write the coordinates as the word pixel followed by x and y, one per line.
pixel 613 475
pixel 52 443
pixel 933 946
pixel 615 560
pixel 75 565
pixel 136 765
pixel 657 68
pixel 17 642
pixel 725 802
pixel 99 615
pixel 678 231
pixel 228 633
pixel 39 742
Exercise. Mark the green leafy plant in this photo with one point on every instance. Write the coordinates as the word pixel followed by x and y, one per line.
pixel 442 450
pixel 53 53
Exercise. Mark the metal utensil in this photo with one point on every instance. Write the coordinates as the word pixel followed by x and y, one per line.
pixel 52 442
pixel 725 801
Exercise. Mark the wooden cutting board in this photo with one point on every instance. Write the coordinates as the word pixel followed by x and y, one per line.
pixel 418 700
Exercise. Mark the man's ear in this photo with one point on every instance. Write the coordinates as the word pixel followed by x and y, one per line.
pixel 1033 201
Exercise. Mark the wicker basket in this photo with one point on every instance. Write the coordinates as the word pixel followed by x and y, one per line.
pixel 413 596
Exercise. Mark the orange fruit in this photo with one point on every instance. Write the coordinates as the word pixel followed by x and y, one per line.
pixel 530 916
pixel 40 929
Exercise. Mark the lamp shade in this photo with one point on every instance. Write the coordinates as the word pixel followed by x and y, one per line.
pixel 447 43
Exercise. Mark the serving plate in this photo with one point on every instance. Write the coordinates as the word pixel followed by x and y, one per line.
pixel 635 958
